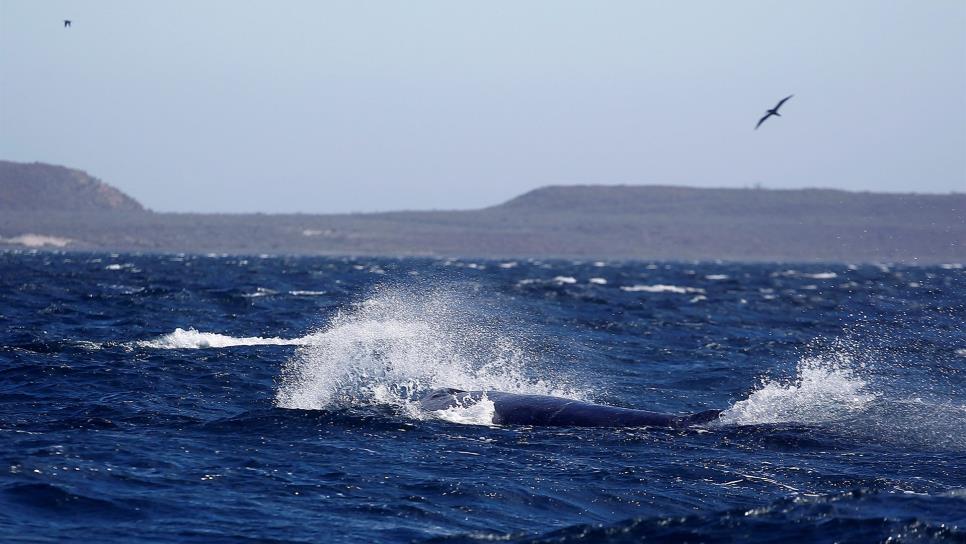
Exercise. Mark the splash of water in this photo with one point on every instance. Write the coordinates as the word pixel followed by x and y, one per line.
pixel 475 413
pixel 825 388
pixel 395 346
pixel 859 391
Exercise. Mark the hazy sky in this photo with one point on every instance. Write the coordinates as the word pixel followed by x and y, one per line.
pixel 359 106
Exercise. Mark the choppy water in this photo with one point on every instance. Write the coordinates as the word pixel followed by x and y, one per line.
pixel 206 399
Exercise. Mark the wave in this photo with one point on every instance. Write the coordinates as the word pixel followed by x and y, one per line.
pixel 860 515
pixel 661 288
pixel 306 293
pixel 194 339
pixel 821 276
pixel 50 501
pixel 261 292
pixel 814 276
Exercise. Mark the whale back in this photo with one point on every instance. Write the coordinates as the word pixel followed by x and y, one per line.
pixel 543 410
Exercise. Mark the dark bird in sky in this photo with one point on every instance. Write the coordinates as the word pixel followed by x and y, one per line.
pixel 773 111
pixel 66 23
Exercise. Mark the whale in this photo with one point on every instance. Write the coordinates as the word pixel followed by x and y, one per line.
pixel 544 410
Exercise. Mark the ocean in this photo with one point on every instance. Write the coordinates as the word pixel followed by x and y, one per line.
pixel 218 398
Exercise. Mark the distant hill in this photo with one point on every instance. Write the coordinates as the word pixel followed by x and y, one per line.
pixel 46 187
pixel 660 222
pixel 799 205
pixel 585 222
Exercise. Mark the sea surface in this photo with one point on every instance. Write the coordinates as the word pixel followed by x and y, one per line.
pixel 217 398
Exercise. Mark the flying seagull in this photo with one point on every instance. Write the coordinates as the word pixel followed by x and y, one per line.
pixel 773 111
pixel 66 23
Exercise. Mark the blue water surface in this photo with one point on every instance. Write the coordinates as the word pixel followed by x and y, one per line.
pixel 271 399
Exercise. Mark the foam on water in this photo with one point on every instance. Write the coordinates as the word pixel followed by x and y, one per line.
pixel 395 346
pixel 814 276
pixel 821 276
pixel 194 339
pixel 661 288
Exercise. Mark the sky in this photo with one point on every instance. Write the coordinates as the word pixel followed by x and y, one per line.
pixel 354 106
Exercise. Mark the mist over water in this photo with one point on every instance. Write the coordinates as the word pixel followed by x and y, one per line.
pixel 165 395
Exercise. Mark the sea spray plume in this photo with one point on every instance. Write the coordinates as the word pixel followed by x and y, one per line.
pixel 825 388
pixel 854 386
pixel 403 341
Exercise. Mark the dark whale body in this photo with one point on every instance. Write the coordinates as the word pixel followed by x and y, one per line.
pixel 542 410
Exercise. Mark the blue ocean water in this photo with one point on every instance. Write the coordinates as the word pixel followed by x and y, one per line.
pixel 269 399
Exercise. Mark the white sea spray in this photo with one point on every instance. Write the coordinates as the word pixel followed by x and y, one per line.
pixel 395 346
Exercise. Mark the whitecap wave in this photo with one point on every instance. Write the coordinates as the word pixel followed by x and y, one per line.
pixel 661 288
pixel 261 292
pixel 814 276
pixel 194 339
